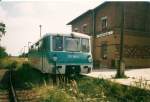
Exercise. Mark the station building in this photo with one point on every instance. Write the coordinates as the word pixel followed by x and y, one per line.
pixel 103 24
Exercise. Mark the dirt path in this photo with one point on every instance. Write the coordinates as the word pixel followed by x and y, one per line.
pixel 136 77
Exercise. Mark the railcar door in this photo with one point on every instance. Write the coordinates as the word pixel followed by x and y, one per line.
pixel 45 49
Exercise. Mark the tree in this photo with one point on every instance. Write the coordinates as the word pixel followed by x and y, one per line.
pixel 2 32
pixel 2 52
pixel 2 29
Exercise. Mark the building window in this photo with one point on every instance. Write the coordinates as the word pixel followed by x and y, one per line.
pixel 76 29
pixel 104 23
pixel 84 28
pixel 104 51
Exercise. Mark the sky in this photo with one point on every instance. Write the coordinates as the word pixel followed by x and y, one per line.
pixel 22 19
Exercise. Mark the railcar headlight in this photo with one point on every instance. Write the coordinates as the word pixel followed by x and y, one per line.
pixel 90 59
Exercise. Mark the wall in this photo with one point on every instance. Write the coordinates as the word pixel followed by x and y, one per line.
pixel 135 15
pixel 112 51
pixel 86 19
pixel 137 49
pixel 109 11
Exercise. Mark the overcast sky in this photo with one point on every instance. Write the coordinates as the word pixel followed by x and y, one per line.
pixel 22 19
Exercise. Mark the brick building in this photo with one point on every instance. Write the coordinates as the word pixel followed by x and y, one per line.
pixel 103 23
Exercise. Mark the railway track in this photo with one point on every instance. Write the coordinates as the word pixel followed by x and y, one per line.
pixel 27 96
pixel 7 92
pixel 4 96
pixel 12 93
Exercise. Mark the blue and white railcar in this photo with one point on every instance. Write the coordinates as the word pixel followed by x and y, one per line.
pixel 62 53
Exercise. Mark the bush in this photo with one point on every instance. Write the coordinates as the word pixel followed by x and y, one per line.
pixel 3 54
pixel 26 77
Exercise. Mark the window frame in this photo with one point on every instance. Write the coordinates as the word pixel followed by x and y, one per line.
pixel 104 23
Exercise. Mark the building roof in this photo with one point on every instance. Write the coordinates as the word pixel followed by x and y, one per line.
pixel 96 8
pixel 85 13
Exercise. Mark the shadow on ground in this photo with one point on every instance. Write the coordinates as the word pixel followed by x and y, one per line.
pixel 27 77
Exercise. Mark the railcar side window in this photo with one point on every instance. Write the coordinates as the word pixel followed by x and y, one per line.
pixel 40 46
pixel 57 43
pixel 32 48
pixel 37 46
pixel 85 45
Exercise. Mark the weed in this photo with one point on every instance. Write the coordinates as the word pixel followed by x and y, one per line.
pixel 57 95
pixel 141 83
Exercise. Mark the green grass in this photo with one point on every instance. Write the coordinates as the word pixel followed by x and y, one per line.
pixel 58 95
pixel 8 61
pixel 5 62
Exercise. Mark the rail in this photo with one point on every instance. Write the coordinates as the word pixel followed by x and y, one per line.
pixel 13 97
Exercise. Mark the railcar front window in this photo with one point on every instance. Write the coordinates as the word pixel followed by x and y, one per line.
pixel 72 44
pixel 57 43
pixel 85 45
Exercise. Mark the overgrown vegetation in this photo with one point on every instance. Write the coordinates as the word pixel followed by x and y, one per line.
pixel 86 90
pixel 27 77
pixel 97 90
pixel 2 49
pixel 112 91
pixel 7 62
pixel 58 95
pixel 3 53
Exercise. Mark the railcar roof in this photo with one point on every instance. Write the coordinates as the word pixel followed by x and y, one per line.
pixel 75 34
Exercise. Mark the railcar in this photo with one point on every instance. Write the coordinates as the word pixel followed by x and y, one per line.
pixel 62 54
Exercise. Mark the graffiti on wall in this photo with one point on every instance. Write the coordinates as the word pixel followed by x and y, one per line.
pixel 137 51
